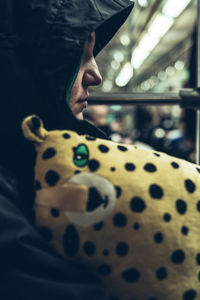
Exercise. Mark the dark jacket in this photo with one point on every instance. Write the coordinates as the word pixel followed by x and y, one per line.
pixel 41 43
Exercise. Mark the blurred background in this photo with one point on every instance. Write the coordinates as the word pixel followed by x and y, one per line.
pixel 154 51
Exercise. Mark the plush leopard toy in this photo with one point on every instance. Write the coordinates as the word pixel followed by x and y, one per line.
pixel 132 215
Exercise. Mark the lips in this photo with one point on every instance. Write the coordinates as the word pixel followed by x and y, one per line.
pixel 83 102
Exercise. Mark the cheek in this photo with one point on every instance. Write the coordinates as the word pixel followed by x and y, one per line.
pixel 76 89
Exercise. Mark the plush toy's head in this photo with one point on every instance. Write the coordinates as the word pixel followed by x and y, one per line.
pixel 132 215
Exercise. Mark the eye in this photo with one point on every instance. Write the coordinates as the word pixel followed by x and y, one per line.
pixel 81 155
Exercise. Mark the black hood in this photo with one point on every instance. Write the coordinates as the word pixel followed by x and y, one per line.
pixel 41 44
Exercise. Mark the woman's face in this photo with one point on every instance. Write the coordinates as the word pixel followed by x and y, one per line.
pixel 88 75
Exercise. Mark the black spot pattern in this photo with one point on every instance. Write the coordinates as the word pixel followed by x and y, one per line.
pixel 167 217
pixel 90 138
pixel 106 252
pixel 184 230
pixel 198 259
pixel 150 168
pixel 190 186
pixel 136 226
pixel 175 165
pixel 55 212
pixel 198 170
pixel 181 206
pixel 122 249
pixel 158 237
pixel 189 295
pixel 77 172
pixel 103 148
pixel 129 167
pixel 49 153
pixel 104 270
pixel 93 165
pixel 131 275
pixel 37 185
pixel 66 136
pixel 118 191
pixel 157 154
pixel 137 205
pixel 178 256
pixel 98 226
pixel 156 192
pixel 122 148
pixel 46 233
pixel 52 177
pixel 89 248
pixel 198 205
pixel 113 169
pixel 119 220
pixel 161 273
pixel 71 241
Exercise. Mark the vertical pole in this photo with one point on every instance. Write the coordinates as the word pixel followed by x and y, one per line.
pixel 198 86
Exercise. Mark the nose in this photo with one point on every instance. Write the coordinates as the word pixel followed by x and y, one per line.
pixel 92 74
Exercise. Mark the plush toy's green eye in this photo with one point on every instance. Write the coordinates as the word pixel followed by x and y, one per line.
pixel 81 155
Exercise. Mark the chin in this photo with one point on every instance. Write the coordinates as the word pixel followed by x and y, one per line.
pixel 79 116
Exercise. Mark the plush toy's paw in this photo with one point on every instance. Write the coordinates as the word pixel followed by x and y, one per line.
pixel 101 199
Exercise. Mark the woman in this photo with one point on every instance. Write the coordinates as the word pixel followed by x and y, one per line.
pixel 47 51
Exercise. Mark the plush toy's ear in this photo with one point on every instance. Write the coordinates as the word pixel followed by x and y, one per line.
pixel 33 129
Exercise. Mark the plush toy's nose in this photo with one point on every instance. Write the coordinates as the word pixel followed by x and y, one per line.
pixel 95 200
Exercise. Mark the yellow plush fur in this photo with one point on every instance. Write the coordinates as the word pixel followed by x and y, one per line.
pixel 132 215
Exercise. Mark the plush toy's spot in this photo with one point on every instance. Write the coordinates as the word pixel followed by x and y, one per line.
pixel 131 275
pixel 136 226
pixel 119 220
pixel 52 177
pixel 198 205
pixel 104 270
pixel 184 230
pixel 129 167
pixel 66 136
pixel 93 165
pixel 77 172
pixel 49 153
pixel 158 237
pixel 198 170
pixel 167 217
pixel 98 226
pixel 178 256
pixel 103 148
pixel 189 295
pixel 137 205
pixel 106 252
pixel 118 191
pixel 95 200
pixel 90 138
pixel 198 259
pixel 55 212
pixel 161 273
pixel 150 168
pixel 71 241
pixel 157 154
pixel 181 206
pixel 122 148
pixel 89 248
pixel 46 233
pixel 37 185
pixel 190 186
pixel 122 249
pixel 175 165
pixel 156 191
pixel 113 169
